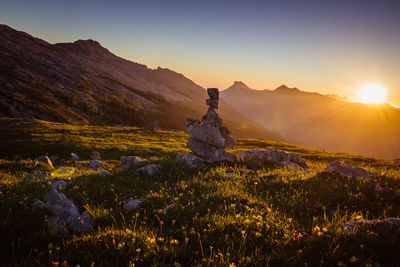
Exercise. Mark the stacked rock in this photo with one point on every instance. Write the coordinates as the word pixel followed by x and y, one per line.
pixel 209 137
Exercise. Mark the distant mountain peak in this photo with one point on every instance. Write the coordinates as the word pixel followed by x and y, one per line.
pixel 284 88
pixel 240 84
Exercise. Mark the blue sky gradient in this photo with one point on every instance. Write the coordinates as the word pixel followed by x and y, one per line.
pixel 323 46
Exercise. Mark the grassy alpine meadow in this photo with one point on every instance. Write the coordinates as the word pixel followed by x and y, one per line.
pixel 246 214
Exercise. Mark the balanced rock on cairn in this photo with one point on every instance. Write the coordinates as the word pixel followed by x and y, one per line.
pixel 209 137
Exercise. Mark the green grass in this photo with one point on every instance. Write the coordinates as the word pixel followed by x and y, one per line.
pixel 223 215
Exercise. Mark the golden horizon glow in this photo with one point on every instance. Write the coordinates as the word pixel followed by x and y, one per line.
pixel 372 94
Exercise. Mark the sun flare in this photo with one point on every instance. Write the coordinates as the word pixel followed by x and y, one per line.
pixel 372 94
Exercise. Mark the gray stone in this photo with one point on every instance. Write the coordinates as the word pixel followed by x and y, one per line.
pixel 96 164
pixel 212 103
pixel 189 158
pixel 270 155
pixel 229 142
pixel 170 206
pixel 44 160
pixel 65 217
pixel 205 132
pixel 81 224
pixel 133 204
pixel 59 185
pixel 59 205
pixel 213 93
pixel 129 161
pixel 224 131
pixel 57 227
pixel 210 153
pixel 352 226
pixel 74 156
pixel 346 170
pixel 212 118
pixel 150 169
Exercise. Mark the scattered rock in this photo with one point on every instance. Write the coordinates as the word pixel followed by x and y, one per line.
pixel 103 173
pixel 74 157
pixel 170 206
pixel 270 155
pixel 209 137
pixel 133 204
pixel 346 170
pixel 58 185
pixel 129 161
pixel 352 226
pixel 96 164
pixel 65 218
pixel 150 169
pixel 189 158
pixel 95 157
pixel 44 160
pixel 82 223
pixel 36 175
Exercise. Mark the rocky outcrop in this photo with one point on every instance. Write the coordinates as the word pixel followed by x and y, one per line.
pixel 270 155
pixel 209 137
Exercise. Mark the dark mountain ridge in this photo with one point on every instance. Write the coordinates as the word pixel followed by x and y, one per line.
pixel 84 83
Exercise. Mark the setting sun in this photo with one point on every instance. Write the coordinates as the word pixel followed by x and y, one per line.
pixel 372 94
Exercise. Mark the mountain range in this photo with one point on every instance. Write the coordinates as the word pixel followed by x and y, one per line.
pixel 84 83
pixel 321 121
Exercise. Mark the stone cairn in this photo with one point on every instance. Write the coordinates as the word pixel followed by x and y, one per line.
pixel 209 137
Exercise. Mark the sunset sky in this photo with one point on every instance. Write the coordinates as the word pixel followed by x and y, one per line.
pixel 323 46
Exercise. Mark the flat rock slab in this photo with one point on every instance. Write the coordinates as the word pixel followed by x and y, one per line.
pixel 346 170
pixel 270 155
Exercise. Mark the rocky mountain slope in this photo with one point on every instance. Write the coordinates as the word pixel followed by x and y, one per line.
pixel 84 83
pixel 321 121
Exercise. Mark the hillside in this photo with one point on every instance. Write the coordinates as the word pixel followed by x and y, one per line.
pixel 84 83
pixel 321 121
pixel 225 215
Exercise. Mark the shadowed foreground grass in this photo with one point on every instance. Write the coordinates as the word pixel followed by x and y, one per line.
pixel 224 215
